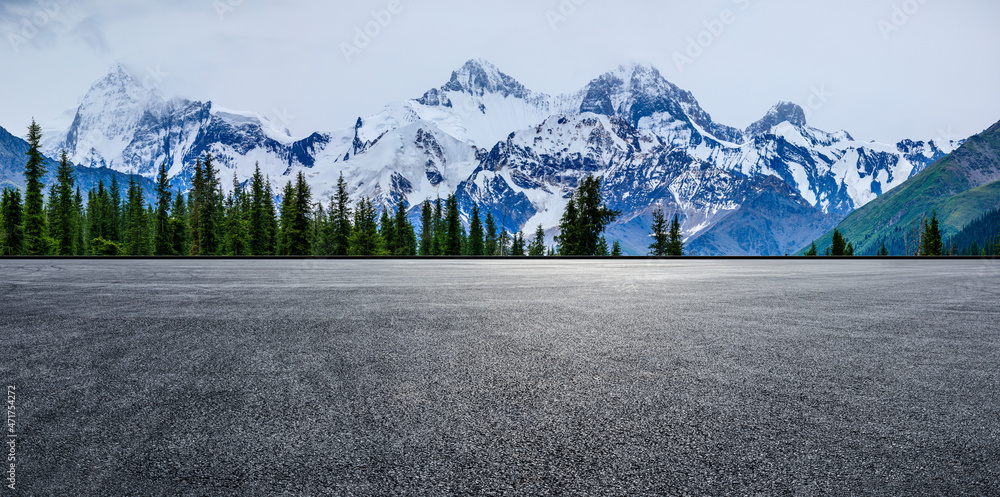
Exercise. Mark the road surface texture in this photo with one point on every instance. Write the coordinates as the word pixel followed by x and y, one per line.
pixel 452 377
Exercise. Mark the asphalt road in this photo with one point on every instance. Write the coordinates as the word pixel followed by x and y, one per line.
pixel 783 377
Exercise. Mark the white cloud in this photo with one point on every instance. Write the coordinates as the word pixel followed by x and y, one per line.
pixel 938 69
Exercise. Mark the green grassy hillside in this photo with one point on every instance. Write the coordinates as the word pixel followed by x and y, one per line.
pixel 960 187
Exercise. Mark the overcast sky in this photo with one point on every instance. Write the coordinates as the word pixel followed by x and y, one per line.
pixel 881 69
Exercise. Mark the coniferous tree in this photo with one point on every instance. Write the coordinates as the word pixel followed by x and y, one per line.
pixel 79 224
pixel 930 239
pixel 503 243
pixel 296 229
pixel 340 212
pixel 602 247
pixel 35 242
pixel 321 243
pixel 136 223
pixel 11 223
pixel 440 229
pixel 179 231
pixel 592 216
pixel 849 251
pixel 883 252
pixel 61 225
pixel 236 221
pixel 813 251
pixel 616 250
pixel 195 199
pixel 162 243
pixel 114 211
pixel 210 200
pixel 453 236
pixel 661 237
pixel 287 212
pixel 477 245
pixel 537 246
pixel 490 240
pixel 426 229
pixel 839 247
pixel 517 245
pixel 260 238
pixel 568 238
pixel 365 239
pixel 406 237
pixel 675 240
pixel 387 228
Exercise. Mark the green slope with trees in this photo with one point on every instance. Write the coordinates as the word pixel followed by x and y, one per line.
pixel 959 188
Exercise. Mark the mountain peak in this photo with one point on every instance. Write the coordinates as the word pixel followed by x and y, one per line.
pixel 781 112
pixel 479 76
pixel 118 76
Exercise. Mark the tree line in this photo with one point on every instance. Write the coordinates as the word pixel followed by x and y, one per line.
pixel 924 239
pixel 248 221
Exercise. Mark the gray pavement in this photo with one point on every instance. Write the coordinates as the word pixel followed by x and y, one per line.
pixel 700 377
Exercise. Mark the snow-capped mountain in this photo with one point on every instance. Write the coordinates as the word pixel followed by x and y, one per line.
pixel 518 153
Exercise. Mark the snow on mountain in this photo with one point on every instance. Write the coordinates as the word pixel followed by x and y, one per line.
pixel 518 153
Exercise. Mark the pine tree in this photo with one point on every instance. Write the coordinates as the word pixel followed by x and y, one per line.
pixel 406 237
pixel 98 216
pixel 179 231
pixel 426 229
pixel 320 224
pixel 11 223
pixel 675 240
pixel 839 247
pixel 849 251
pixel 616 250
pixel 195 198
pixel 661 242
pixel 477 245
pixel 365 239
pixel 114 211
pixel 813 251
pixel 286 213
pixel 210 200
pixel 883 252
pixel 537 246
pixel 602 247
pixel 236 221
pixel 61 225
pixel 261 215
pixel 162 243
pixel 490 240
pixel 79 224
pixel 340 211
pixel 517 245
pixel 438 242
pixel 35 242
pixel 568 240
pixel 453 237
pixel 585 219
pixel 387 228
pixel 136 234
pixel 931 244
pixel 297 208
